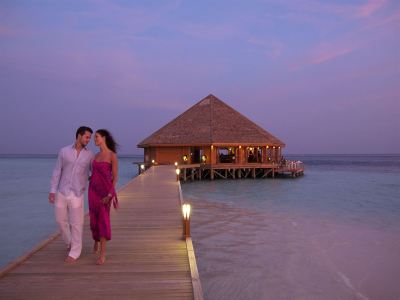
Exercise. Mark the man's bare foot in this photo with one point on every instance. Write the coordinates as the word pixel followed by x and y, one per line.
pixel 96 247
pixel 70 260
pixel 101 260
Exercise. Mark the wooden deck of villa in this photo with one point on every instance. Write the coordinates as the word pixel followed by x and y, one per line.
pixel 147 257
pixel 237 171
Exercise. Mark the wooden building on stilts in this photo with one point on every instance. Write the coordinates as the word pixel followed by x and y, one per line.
pixel 213 140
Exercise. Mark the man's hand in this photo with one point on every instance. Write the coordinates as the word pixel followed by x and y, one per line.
pixel 52 198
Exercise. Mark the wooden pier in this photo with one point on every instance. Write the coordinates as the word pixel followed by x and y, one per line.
pixel 147 257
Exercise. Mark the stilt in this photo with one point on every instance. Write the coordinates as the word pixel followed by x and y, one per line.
pixel 212 174
pixel 184 174
pixel 254 173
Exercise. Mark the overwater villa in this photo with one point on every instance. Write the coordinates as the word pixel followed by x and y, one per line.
pixel 213 140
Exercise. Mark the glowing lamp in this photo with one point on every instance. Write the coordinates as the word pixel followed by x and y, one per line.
pixel 186 220
pixel 177 174
pixel 203 158
pixel 186 211
pixel 176 164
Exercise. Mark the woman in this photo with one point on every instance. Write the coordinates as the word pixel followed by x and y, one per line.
pixel 102 191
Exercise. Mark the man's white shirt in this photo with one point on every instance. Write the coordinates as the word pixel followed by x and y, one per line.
pixel 71 172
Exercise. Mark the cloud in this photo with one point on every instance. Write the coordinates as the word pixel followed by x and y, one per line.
pixel 322 53
pixel 370 8
pixel 209 31
pixel 273 49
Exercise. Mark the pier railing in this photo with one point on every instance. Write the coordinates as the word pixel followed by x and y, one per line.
pixel 293 165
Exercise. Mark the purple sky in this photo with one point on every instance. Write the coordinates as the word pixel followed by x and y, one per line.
pixel 323 76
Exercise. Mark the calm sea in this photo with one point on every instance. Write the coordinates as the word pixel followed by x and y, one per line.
pixel 331 234
pixel 26 217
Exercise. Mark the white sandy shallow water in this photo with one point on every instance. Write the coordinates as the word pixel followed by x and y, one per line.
pixel 249 254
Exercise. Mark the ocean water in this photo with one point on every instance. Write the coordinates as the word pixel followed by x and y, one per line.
pixel 26 216
pixel 331 234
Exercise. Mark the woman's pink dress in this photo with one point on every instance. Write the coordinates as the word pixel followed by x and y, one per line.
pixel 99 187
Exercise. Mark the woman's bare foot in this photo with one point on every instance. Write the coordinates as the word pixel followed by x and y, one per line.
pixel 101 260
pixel 96 247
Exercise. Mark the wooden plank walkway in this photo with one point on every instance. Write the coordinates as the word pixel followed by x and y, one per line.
pixel 146 258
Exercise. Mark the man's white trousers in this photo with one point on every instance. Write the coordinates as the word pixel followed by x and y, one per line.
pixel 69 216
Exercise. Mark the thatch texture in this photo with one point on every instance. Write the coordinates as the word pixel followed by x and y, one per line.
pixel 210 122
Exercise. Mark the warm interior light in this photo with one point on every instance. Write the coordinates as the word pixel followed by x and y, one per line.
pixel 186 211
pixel 212 147
pixel 240 147
pixel 153 161
pixel 267 146
pixel 176 164
pixel 177 171
pixel 185 158
pixel 142 167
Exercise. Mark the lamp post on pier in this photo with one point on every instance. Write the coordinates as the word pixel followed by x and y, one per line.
pixel 186 220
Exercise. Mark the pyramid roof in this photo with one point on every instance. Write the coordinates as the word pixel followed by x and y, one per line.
pixel 210 122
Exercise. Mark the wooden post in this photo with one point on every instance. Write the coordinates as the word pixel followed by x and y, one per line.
pixel 199 177
pixel 184 174
pixel 211 173
pixel 193 169
pixel 254 173
pixel 273 173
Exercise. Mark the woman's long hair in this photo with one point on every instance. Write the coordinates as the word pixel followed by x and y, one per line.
pixel 110 142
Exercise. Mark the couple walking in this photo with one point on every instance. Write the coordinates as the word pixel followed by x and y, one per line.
pixel 68 185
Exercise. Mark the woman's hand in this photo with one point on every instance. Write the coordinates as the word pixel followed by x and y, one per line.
pixel 107 199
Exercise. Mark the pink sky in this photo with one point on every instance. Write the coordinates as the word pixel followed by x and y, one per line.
pixel 323 76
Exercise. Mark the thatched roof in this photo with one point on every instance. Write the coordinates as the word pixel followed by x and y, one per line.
pixel 210 121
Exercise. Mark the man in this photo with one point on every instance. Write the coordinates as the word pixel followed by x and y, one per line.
pixel 68 185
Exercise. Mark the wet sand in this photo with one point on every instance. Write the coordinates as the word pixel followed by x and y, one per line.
pixel 245 254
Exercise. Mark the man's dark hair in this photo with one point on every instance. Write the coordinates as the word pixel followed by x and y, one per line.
pixel 81 131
